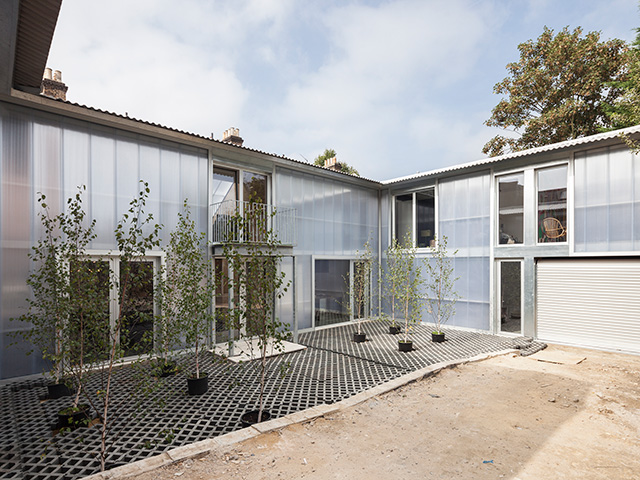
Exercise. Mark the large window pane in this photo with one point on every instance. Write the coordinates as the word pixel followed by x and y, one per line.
pixel 404 217
pixel 331 292
pixel 425 221
pixel 254 187
pixel 552 204
pixel 511 208
pixel 136 336
pixel 223 185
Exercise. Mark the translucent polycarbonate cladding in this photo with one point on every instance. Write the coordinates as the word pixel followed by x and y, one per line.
pixel 334 219
pixel 41 153
pixel 464 218
pixel 607 201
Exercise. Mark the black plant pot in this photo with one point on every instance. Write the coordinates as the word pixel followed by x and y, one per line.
pixel 437 337
pixel 394 330
pixel 249 418
pixel 198 386
pixel 72 418
pixel 405 346
pixel 58 390
pixel 359 337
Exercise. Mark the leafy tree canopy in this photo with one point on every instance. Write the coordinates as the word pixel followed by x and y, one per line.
pixel 560 89
pixel 625 112
pixel 330 153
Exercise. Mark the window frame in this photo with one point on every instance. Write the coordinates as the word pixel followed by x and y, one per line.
pixel 414 215
pixel 568 210
pixel 497 178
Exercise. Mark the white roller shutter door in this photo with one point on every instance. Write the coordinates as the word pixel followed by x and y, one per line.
pixel 589 302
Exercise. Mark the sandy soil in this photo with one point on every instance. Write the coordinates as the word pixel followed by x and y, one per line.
pixel 508 417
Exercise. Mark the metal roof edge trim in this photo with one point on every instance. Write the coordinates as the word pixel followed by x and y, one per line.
pixel 522 153
pixel 48 101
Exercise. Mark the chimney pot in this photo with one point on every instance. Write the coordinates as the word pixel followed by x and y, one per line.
pixel 232 135
pixel 53 87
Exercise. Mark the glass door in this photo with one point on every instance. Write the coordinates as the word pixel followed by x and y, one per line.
pixel 510 295
pixel 136 336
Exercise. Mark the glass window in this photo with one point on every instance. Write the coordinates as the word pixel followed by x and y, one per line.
pixel 424 222
pixel 404 216
pixel 223 186
pixel 552 204
pixel 254 187
pixel 426 219
pixel 136 336
pixel 331 292
pixel 511 209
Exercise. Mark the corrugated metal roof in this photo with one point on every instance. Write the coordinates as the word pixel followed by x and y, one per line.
pixel 196 135
pixel 36 24
pixel 523 153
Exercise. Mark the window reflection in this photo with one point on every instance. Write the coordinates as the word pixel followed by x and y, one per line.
pixel 511 209
pixel 552 204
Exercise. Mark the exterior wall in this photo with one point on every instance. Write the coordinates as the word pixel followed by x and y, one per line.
pixel 464 207
pixel 334 219
pixel 45 153
pixel 607 201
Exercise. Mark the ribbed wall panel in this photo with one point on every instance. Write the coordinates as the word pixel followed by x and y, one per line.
pixel 591 302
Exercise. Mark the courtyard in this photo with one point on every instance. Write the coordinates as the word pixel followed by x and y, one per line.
pixel 331 368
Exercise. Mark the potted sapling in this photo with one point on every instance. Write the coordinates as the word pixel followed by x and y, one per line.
pixel 61 303
pixel 440 287
pixel 392 277
pixel 362 269
pixel 188 292
pixel 258 284
pixel 410 281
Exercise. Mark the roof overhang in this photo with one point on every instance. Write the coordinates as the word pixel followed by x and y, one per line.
pixel 26 27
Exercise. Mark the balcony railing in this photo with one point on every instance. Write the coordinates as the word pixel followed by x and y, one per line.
pixel 224 229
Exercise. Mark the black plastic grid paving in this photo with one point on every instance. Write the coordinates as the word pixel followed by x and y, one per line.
pixel 330 369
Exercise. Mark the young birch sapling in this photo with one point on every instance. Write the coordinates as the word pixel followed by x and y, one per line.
pixel 187 291
pixel 53 305
pixel 441 293
pixel 258 283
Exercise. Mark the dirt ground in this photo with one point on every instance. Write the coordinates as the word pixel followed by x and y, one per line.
pixel 507 417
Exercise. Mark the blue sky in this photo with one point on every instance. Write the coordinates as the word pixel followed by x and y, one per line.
pixel 395 87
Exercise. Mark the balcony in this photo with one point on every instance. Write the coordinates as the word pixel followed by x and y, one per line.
pixel 280 220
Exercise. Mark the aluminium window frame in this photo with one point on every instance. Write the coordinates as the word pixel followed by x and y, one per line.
pixel 414 213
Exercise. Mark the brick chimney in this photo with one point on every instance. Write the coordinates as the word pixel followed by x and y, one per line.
pixel 52 85
pixel 232 135
pixel 332 164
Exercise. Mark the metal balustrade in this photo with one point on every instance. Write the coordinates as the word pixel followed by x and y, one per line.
pixel 279 220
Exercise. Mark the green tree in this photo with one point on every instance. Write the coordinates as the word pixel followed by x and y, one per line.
pixel 187 290
pixel 440 285
pixel 625 112
pixel 330 153
pixel 258 284
pixel 62 297
pixel 560 89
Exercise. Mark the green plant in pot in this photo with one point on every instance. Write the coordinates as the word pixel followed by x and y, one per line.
pixel 409 281
pixel 258 284
pixel 362 270
pixel 392 278
pixel 56 289
pixel 440 287
pixel 187 293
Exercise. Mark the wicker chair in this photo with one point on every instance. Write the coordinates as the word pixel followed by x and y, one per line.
pixel 552 228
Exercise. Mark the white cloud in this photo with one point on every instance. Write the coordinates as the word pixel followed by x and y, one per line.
pixel 395 86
